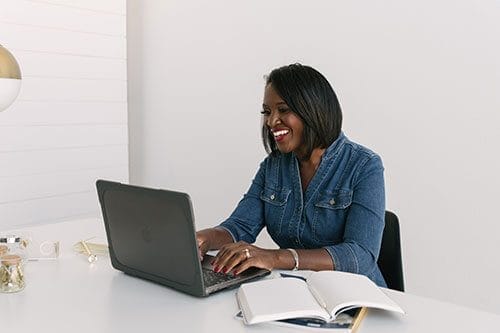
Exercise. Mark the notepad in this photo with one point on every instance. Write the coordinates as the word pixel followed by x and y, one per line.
pixel 322 295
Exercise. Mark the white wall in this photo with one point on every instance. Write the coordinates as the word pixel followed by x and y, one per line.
pixel 418 82
pixel 69 125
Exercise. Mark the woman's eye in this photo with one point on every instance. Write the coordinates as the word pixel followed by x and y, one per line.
pixel 265 112
pixel 283 110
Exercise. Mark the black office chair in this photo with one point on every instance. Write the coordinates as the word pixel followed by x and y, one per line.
pixel 389 260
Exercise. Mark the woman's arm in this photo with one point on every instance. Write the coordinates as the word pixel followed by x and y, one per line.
pixel 358 251
pixel 244 223
pixel 234 258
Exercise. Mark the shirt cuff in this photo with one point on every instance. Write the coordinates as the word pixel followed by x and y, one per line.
pixel 344 258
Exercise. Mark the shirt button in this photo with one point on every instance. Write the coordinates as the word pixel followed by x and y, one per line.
pixel 332 202
pixel 272 197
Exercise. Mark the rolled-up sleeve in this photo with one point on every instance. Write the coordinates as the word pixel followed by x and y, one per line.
pixel 358 253
pixel 247 220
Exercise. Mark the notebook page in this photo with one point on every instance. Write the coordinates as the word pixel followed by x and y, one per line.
pixel 341 290
pixel 276 299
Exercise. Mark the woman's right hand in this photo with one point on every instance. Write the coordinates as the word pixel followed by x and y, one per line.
pixel 211 239
pixel 203 239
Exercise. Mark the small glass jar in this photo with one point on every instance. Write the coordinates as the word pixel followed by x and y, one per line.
pixel 12 258
pixel 4 249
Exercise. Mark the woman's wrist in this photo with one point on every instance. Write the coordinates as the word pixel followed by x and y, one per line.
pixel 284 259
pixel 295 256
pixel 216 237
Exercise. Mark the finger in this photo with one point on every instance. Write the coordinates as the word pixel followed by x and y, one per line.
pixel 225 253
pixel 233 257
pixel 220 254
pixel 201 249
pixel 219 258
pixel 243 266
pixel 202 252
pixel 247 257
pixel 238 258
pixel 228 259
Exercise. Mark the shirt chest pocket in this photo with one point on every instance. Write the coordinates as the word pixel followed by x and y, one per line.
pixel 274 208
pixel 330 214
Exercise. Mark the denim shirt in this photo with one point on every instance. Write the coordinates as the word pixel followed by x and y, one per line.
pixel 342 209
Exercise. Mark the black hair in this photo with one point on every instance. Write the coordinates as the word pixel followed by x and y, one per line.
pixel 311 97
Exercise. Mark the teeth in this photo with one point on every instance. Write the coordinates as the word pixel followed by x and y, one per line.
pixel 282 132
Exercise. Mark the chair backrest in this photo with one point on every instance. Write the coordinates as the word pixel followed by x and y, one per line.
pixel 390 261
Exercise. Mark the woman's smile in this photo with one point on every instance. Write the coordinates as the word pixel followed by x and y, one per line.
pixel 279 134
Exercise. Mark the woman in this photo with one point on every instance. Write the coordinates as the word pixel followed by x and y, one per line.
pixel 320 195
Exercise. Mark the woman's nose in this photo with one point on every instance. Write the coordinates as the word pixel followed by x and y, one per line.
pixel 273 119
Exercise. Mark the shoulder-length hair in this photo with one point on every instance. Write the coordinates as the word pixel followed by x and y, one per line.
pixel 311 97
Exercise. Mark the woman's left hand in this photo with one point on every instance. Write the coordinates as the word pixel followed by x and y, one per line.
pixel 237 257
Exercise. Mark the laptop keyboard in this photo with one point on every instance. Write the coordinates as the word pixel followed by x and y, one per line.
pixel 212 278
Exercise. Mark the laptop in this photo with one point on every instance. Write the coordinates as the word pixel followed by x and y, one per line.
pixel 151 235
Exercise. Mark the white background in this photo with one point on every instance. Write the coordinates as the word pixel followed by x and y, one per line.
pixel 68 126
pixel 418 81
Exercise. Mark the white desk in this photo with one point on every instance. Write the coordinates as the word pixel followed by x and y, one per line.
pixel 72 295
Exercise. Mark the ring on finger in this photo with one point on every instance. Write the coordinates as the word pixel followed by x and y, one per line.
pixel 247 253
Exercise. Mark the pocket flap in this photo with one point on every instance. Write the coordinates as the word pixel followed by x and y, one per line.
pixel 338 199
pixel 274 196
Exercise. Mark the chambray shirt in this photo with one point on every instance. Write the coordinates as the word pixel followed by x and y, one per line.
pixel 342 209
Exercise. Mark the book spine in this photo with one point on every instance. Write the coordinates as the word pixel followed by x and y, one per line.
pixel 319 299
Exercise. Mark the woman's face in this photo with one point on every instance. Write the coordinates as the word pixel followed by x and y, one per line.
pixel 285 125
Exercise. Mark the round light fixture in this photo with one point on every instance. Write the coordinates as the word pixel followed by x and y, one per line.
pixel 10 78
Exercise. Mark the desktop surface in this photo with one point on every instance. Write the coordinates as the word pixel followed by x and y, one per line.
pixel 70 294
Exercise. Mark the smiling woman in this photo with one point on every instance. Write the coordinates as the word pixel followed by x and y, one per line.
pixel 320 195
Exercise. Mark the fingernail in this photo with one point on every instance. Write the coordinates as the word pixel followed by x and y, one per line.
pixel 212 263
pixel 235 273
pixel 224 270
pixel 216 269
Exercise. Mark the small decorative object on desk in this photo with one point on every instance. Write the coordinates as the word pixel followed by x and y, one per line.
pixel 91 250
pixel 41 250
pixel 12 259
pixel 36 249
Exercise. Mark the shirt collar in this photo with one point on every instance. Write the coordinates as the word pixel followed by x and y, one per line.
pixel 335 147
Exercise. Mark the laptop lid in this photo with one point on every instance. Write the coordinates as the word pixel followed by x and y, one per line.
pixel 151 235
